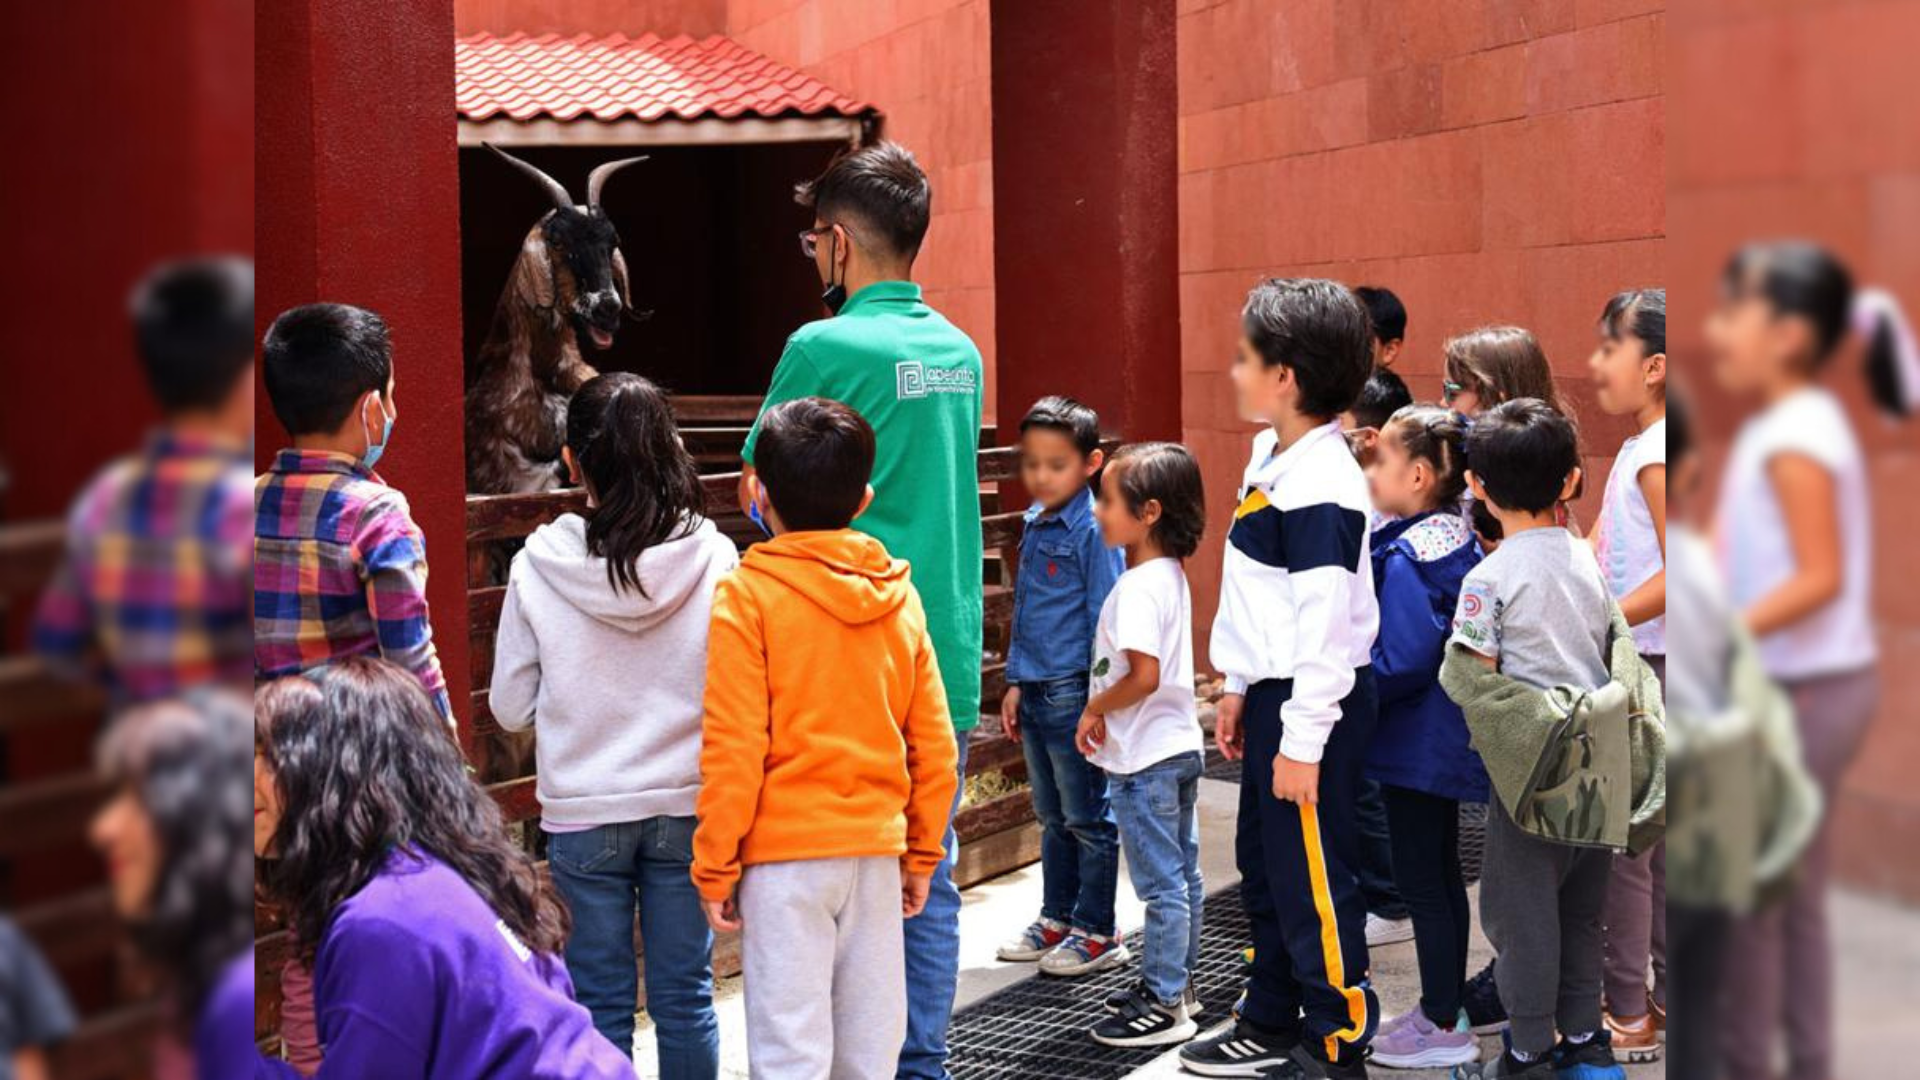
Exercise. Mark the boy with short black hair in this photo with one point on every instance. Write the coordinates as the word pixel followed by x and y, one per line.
pixel 1538 611
pixel 1389 318
pixel 1294 636
pixel 152 595
pixel 828 759
pixel 1066 571
pixel 340 568
pixel 1383 395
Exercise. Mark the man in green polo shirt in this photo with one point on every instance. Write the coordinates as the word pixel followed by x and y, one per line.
pixel 918 380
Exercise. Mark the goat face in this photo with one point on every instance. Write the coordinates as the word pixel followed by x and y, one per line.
pixel 590 275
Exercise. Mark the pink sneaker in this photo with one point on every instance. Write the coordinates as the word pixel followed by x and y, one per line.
pixel 1415 1043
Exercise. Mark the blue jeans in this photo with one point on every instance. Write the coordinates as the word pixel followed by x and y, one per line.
pixel 1160 830
pixel 933 960
pixel 603 873
pixel 1079 846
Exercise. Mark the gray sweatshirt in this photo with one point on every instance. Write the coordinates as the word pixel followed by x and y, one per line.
pixel 613 680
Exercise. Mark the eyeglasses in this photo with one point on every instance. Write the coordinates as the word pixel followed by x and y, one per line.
pixel 1450 390
pixel 810 238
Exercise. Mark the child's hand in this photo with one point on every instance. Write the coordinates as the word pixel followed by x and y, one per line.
pixel 722 915
pixel 1296 781
pixel 913 893
pixel 1228 734
pixel 1010 714
pixel 1091 733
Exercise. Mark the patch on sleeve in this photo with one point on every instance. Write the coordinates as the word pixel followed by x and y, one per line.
pixel 1476 621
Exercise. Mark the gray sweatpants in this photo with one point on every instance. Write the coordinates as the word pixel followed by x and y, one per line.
pixel 824 968
pixel 1540 905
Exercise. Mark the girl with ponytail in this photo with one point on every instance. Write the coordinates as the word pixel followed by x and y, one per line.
pixel 602 650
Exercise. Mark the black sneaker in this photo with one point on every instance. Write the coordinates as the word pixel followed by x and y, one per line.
pixel 1117 1000
pixel 1308 1065
pixel 1485 1014
pixel 1506 1067
pixel 1143 1021
pixel 1245 1050
pixel 1589 1060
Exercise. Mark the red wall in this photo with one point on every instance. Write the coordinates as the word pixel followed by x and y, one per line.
pixel 1488 160
pixel 630 17
pixel 925 64
pixel 359 203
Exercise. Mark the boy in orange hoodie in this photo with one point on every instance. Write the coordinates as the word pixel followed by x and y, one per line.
pixel 828 762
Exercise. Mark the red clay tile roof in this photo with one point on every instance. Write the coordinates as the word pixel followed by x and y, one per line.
pixel 647 78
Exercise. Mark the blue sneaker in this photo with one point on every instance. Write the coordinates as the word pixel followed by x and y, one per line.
pixel 1589 1060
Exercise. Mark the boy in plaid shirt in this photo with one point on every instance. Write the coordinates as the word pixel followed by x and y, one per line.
pixel 340 569
pixel 151 597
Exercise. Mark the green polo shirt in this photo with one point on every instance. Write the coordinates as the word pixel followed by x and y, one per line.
pixel 918 380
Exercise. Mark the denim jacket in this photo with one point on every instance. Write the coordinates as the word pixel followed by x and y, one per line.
pixel 1065 575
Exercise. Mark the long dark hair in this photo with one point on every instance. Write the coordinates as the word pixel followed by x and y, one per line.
pixel 186 762
pixel 1640 313
pixel 364 766
pixel 1799 280
pixel 646 489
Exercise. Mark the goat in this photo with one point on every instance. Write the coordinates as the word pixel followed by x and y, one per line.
pixel 567 292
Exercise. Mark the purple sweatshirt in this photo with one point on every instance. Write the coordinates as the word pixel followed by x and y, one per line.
pixel 417 978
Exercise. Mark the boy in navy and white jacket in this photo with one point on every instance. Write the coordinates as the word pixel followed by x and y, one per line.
pixel 1293 636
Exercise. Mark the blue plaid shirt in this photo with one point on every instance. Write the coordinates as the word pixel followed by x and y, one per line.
pixel 1065 575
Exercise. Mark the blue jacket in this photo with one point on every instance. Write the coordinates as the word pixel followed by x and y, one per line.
pixel 1066 572
pixel 1421 741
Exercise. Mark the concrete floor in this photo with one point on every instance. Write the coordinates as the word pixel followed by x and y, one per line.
pixel 1879 945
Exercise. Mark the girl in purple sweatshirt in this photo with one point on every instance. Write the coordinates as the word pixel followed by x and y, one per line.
pixel 433 944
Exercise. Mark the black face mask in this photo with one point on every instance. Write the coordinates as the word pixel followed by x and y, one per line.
pixel 835 296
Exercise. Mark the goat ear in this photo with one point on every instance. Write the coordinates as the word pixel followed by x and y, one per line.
pixel 620 279
pixel 533 272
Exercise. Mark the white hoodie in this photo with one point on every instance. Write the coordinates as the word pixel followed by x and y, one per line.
pixel 612 679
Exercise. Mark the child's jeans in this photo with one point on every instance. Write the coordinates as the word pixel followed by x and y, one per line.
pixel 602 872
pixel 1079 845
pixel 1160 829
pixel 1426 866
pixel 824 967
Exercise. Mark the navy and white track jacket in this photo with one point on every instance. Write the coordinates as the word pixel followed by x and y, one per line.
pixel 1296 592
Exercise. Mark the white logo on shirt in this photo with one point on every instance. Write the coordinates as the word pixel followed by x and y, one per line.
pixel 913 379
pixel 519 948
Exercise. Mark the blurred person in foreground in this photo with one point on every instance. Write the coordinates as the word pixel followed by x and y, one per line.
pixel 34 1011
pixel 1794 538
pixel 174 838
pixel 1741 805
pixel 151 597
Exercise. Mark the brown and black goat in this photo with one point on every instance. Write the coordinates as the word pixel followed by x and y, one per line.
pixel 567 293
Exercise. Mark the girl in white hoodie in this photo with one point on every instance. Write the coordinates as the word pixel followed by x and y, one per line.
pixel 602 648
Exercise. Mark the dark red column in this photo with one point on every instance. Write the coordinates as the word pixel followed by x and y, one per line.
pixel 359 200
pixel 1086 229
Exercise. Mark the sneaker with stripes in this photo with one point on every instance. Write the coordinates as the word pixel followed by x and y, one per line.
pixel 1142 1021
pixel 1035 941
pixel 1084 954
pixel 1119 998
pixel 1243 1050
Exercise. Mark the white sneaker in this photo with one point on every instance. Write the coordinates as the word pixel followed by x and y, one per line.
pixel 1084 954
pixel 1387 931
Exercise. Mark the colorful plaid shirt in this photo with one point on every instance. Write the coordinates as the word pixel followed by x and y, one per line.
pixel 151 597
pixel 339 569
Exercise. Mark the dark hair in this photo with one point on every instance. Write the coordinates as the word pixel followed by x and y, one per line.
pixel 193 329
pixel 815 457
pixel 1317 330
pixel 364 767
pixel 1484 522
pixel 186 761
pixel 1523 451
pixel 1165 472
pixel 1068 417
pixel 1438 437
pixel 882 188
pixel 1799 280
pixel 320 359
pixel 1383 395
pixel 645 487
pixel 1679 426
pixel 1502 363
pixel 1640 313
pixel 1385 311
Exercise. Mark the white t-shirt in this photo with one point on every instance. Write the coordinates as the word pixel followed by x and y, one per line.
pixel 1624 538
pixel 1150 612
pixel 1757 553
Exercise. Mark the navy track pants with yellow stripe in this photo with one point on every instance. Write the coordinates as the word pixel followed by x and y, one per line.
pixel 1309 972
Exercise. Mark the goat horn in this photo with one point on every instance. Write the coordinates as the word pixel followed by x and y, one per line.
pixel 598 177
pixel 554 189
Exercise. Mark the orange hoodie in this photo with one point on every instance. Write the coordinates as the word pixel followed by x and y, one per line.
pixel 826 732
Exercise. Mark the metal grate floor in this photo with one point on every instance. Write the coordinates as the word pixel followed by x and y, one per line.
pixel 1037 1029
